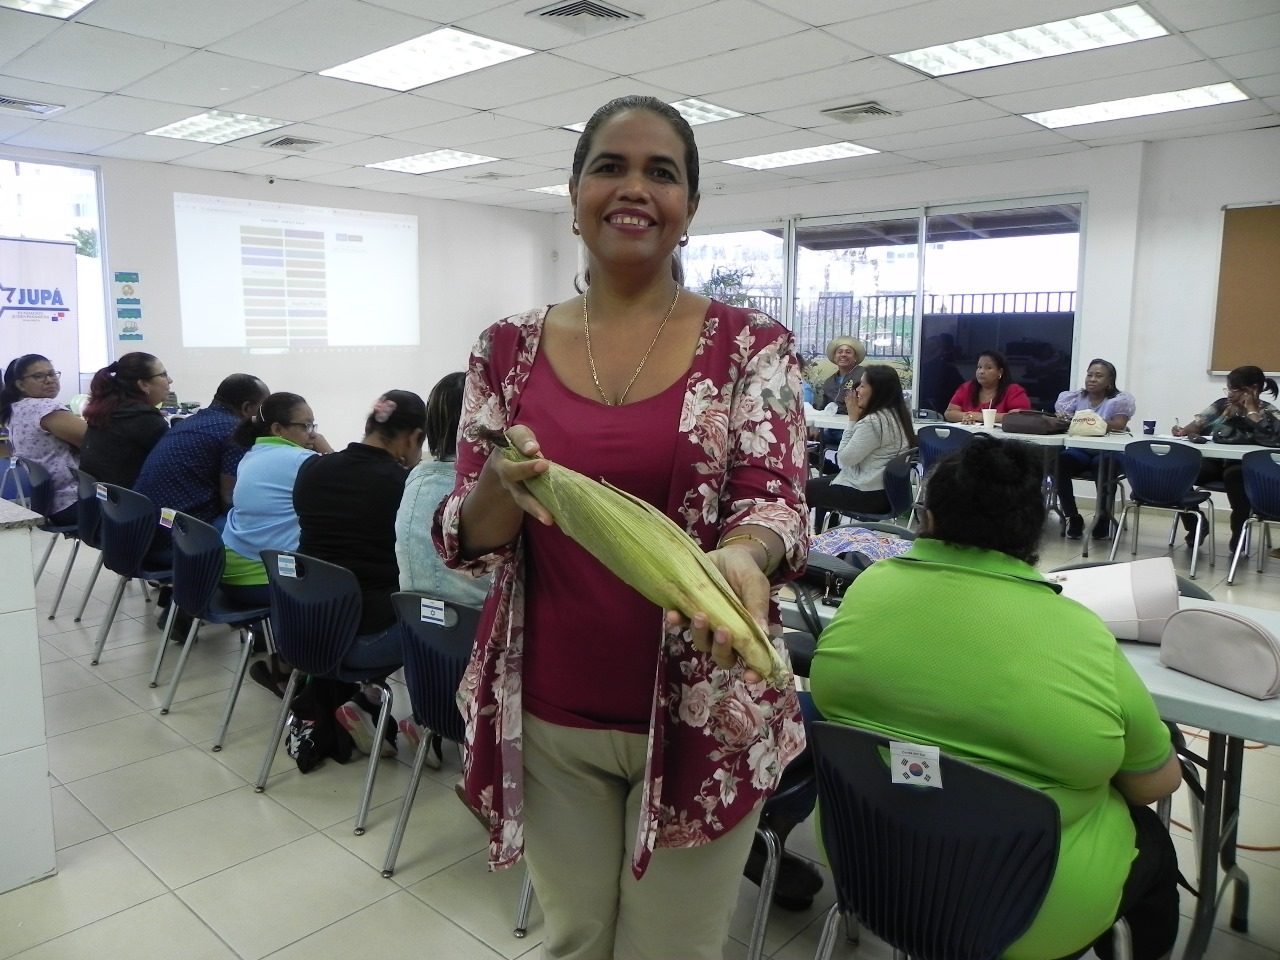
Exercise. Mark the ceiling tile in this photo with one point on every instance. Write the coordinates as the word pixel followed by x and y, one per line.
pixel 115 112
pixel 210 80
pixel 737 129
pixel 1256 64
pixel 193 24
pixel 79 55
pixel 930 118
pixel 1002 156
pixel 1112 88
pixel 1162 123
pixel 12 124
pixel 843 84
pixel 443 11
pixel 1180 133
pixel 1268 86
pixel 323 34
pixel 760 145
pixel 976 148
pixel 920 95
pixel 469 129
pixel 850 168
pixel 19 31
pixel 1194 14
pixel 393 114
pixel 307 97
pixel 503 84
pixel 957 133
pixel 295 167
pixel 511 23
pixel 1245 36
pixel 153 149
pixel 576 106
pixel 747 66
pixel 369 150
pixel 543 141
pixel 46 92
pixel 65 136
pixel 488 173
pixel 222 158
pixel 736 23
pixel 822 12
pixel 353 177
pixel 1095 64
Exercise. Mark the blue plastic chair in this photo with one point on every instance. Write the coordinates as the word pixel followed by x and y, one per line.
pixel 315 613
pixel 936 441
pixel 1262 487
pixel 957 873
pixel 89 529
pixel 1162 475
pixel 897 488
pixel 437 639
pixel 28 484
pixel 128 526
pixel 198 563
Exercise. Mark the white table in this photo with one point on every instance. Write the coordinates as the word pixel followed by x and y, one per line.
pixel 1230 719
pixel 838 421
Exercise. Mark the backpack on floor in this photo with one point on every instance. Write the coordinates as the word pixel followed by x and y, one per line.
pixel 312 734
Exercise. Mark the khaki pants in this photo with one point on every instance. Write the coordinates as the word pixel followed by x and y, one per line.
pixel 582 793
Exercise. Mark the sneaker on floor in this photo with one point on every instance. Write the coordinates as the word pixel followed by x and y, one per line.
pixel 1274 554
pixel 1075 527
pixel 1103 528
pixel 357 722
pixel 413 734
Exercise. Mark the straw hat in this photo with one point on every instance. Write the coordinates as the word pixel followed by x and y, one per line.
pixel 859 347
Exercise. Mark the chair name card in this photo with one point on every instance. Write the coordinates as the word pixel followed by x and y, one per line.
pixel 915 763
pixel 287 566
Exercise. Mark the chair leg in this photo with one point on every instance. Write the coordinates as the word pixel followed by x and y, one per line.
pixel 1195 544
pixel 274 743
pixel 66 575
pixel 768 882
pixel 182 660
pixel 164 645
pixel 1115 542
pixel 410 792
pixel 827 941
pixel 523 902
pixel 1213 536
pixel 1121 940
pixel 1242 549
pixel 44 559
pixel 362 812
pixel 106 624
pixel 93 580
pixel 234 693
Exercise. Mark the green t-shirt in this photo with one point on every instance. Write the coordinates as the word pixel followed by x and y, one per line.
pixel 975 652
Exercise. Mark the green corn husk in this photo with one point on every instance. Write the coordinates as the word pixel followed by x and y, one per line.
pixel 648 552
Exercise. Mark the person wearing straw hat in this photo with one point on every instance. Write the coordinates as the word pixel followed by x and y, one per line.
pixel 847 353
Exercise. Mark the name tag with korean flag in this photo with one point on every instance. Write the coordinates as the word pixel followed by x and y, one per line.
pixel 915 763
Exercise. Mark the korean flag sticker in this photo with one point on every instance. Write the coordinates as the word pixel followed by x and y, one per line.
pixel 287 566
pixel 166 517
pixel 915 763
pixel 432 611
pixel 100 491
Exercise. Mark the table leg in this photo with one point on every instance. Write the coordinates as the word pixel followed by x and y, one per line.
pixel 1210 839
pixel 1231 819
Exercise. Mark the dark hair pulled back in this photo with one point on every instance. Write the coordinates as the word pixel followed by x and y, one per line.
pixel 395 413
pixel 1250 376
pixel 975 389
pixel 17 369
pixel 444 410
pixel 115 385
pixel 277 408
pixel 987 494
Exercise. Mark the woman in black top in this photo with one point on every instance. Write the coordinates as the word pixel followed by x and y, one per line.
pixel 347 504
pixel 124 423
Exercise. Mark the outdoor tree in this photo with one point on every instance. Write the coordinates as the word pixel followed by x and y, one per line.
pixel 86 241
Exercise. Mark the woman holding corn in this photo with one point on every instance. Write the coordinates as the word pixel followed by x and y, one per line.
pixel 597 724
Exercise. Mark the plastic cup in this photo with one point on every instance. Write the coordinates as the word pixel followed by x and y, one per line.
pixel 1149 427
pixel 988 418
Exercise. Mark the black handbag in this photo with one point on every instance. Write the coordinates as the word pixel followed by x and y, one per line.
pixel 1241 430
pixel 1033 422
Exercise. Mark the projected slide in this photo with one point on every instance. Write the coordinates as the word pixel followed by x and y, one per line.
pixel 278 277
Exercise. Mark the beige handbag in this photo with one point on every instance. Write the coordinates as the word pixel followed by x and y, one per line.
pixel 1087 423
pixel 1224 648
pixel 1133 599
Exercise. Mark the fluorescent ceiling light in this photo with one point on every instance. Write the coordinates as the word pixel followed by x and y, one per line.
pixel 1139 106
pixel 694 111
pixel 556 190
pixel 1105 29
pixel 430 162
pixel 216 127
pixel 62 9
pixel 426 59
pixel 791 158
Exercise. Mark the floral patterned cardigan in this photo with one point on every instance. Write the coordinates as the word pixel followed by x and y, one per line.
pixel 717 745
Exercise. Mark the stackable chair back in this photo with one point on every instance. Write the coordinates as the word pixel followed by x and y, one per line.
pixel 15 484
pixel 198 563
pixel 1262 487
pixel 1162 475
pixel 128 526
pixel 35 488
pixel 897 488
pixel 438 637
pixel 315 613
pixel 88 529
pixel 937 441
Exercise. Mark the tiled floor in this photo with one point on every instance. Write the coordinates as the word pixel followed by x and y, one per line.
pixel 165 851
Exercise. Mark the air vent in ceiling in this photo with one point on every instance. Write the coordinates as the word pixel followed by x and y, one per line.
pixel 855 112
pixel 491 175
pixel 14 105
pixel 292 144
pixel 585 8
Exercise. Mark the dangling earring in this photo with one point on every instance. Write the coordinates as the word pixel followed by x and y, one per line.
pixel 575 229
pixel 684 241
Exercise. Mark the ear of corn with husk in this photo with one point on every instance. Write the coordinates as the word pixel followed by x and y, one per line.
pixel 647 551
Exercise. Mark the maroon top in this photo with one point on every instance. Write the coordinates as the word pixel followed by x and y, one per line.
pixel 1015 398
pixel 592 664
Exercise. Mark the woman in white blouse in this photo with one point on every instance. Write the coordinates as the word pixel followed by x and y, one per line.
pixel 879 429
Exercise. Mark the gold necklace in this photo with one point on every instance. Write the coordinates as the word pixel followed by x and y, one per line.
pixel 586 328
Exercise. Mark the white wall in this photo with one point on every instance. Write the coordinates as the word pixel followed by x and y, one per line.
pixel 477 264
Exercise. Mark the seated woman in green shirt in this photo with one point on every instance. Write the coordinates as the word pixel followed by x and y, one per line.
pixel 995 667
